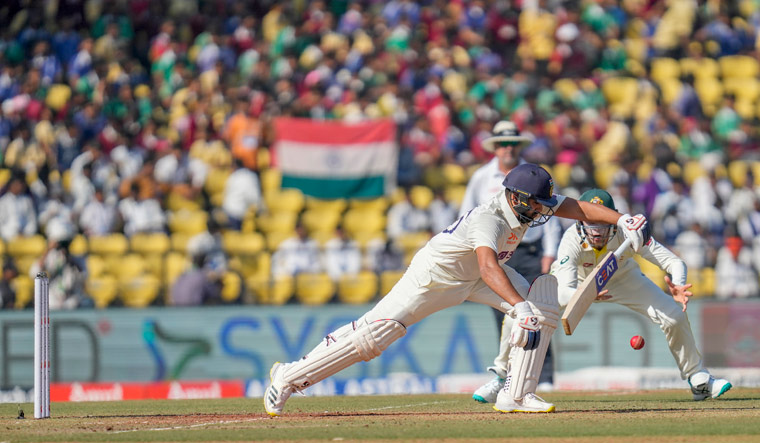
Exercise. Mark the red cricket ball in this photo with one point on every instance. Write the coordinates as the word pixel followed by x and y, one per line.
pixel 637 342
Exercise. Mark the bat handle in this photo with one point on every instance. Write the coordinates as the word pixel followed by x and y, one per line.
pixel 623 246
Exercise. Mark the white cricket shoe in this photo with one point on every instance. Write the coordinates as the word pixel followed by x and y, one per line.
pixel 489 391
pixel 278 392
pixel 530 403
pixel 704 385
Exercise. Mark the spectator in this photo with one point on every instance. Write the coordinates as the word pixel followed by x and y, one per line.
pixel 200 285
pixel 140 213
pixel 7 290
pixel 737 278
pixel 242 193
pixel 384 256
pixel 442 213
pixel 98 216
pixel 297 254
pixel 405 218
pixel 342 255
pixel 17 212
pixel 67 275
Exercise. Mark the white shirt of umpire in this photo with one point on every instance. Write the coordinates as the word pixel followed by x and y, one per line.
pixel 445 271
pixel 632 289
pixel 486 182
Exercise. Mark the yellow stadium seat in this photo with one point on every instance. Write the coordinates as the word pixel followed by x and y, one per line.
pixel 671 88
pixel 368 221
pixel 322 237
pixel 128 267
pixel 175 263
pixel 232 287
pixel 455 194
pixel 323 220
pixel 24 263
pixel 663 68
pixel 274 239
pixel 362 238
pixel 271 291
pixel 178 202
pixel 78 245
pixel 103 290
pixel 314 289
pixel 31 246
pixel 188 221
pixel 372 204
pixel 284 200
pixel 263 159
pixel 433 177
pixel 692 170
pixel 216 180
pixel 336 205
pixel 745 108
pixel 2 247
pixel 738 66
pixel 271 180
pixel 115 243
pixel 96 266
pixel 239 243
pixel 413 241
pixel 421 196
pixel 178 241
pixel 709 90
pixel 707 280
pixel 251 265
pixel 358 289
pixel 387 280
pixel 454 174
pixel 150 243
pixel 5 175
pixel 699 68
pixel 620 90
pixel 743 88
pixel 737 173
pixel 277 222
pixel 636 49
pixel 24 287
pixel 566 88
pixel 139 292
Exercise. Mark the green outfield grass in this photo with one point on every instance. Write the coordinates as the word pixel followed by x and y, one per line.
pixel 663 415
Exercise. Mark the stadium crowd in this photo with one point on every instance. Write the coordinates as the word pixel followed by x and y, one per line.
pixel 149 123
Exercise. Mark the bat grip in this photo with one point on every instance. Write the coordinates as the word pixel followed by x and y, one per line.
pixel 623 246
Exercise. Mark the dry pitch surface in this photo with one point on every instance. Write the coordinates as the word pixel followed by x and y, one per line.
pixel 649 416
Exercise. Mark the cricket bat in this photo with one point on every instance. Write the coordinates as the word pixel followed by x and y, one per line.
pixel 591 286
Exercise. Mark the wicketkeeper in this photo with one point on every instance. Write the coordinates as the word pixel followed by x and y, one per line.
pixel 580 250
pixel 466 261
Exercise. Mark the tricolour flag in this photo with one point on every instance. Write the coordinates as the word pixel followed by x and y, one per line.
pixel 327 159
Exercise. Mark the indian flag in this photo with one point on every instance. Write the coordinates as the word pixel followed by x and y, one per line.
pixel 326 159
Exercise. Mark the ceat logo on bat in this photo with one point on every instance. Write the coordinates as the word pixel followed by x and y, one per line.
pixel 606 272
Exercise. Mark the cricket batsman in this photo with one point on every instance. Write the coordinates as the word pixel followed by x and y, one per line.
pixel 585 244
pixel 466 261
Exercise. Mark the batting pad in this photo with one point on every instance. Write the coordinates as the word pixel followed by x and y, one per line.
pixel 349 344
pixel 525 366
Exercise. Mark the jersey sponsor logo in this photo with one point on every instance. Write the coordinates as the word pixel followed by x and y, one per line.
pixel 588 265
pixel 505 255
pixel 512 238
pixel 564 260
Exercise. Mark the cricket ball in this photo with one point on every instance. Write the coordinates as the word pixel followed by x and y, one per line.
pixel 637 342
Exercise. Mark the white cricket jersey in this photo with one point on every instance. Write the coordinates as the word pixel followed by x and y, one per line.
pixel 485 183
pixel 451 253
pixel 576 259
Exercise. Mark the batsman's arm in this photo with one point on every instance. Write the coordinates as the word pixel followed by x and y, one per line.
pixel 493 275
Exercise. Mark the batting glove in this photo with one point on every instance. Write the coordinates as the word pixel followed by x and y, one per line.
pixel 635 228
pixel 525 330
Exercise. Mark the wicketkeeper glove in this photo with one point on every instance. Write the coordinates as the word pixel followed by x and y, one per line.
pixel 635 228
pixel 525 330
